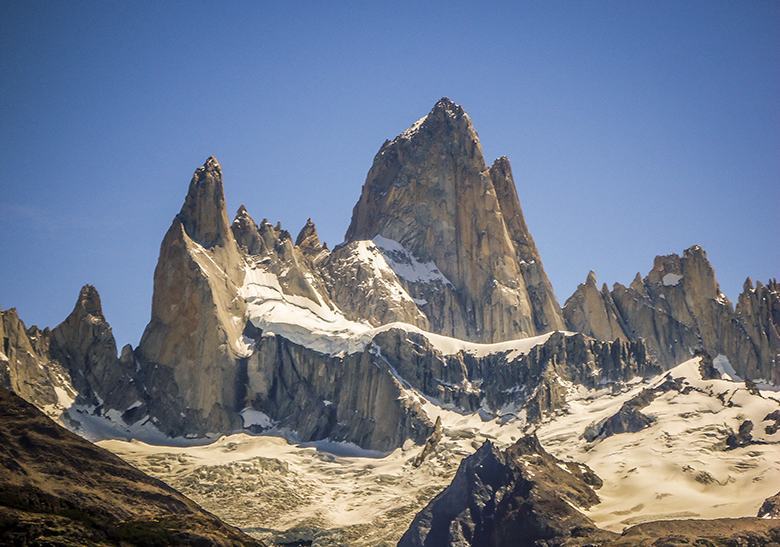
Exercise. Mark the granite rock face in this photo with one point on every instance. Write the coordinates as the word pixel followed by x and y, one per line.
pixel 521 496
pixel 678 309
pixel 26 366
pixel 190 350
pixel 365 287
pixel 85 345
pixel 354 398
pixel 758 311
pixel 430 192
pixel 203 361
pixel 74 364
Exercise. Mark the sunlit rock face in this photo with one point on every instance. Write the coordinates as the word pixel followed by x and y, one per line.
pixel 190 350
pixel 678 308
pixel 430 193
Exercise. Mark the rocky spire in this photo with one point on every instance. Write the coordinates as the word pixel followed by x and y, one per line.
pixel 308 240
pixel 593 312
pixel 190 349
pixel 204 213
pixel 430 191
pixel 247 233
pixel 85 345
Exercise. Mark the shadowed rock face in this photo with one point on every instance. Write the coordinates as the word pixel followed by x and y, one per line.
pixel 85 345
pixel 679 309
pixel 517 497
pixel 430 191
pixel 76 363
pixel 524 497
pixel 58 489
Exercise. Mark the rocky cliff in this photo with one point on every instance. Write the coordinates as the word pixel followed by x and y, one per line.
pixel 191 349
pixel 522 496
pixel 74 365
pixel 430 196
pixel 678 308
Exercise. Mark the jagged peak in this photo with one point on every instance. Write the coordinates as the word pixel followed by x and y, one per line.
pixel 502 163
pixel 444 112
pixel 451 108
pixel 695 250
pixel 243 217
pixel 308 240
pixel 748 286
pixel 89 301
pixel 591 279
pixel 211 165
pixel 204 213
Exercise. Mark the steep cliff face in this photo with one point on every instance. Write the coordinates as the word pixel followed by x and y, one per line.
pixel 678 308
pixel 430 192
pixel 758 311
pixel 27 369
pixel 74 366
pixel 594 313
pixel 191 349
pixel 85 345
pixel 520 496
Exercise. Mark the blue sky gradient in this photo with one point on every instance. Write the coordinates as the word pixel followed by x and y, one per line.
pixel 633 128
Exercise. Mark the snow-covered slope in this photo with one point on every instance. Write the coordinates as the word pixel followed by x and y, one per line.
pixel 678 467
pixel 681 465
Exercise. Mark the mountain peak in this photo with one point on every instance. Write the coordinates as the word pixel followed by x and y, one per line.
pixel 430 191
pixel 89 301
pixel 204 213
pixel 308 240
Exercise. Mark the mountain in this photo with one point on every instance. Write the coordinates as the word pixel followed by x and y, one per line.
pixel 75 365
pixel 58 489
pixel 617 464
pixel 430 199
pixel 432 326
pixel 678 308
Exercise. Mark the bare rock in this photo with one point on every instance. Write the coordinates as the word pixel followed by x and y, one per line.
pixel 85 345
pixel 190 350
pixel 678 310
pixel 593 312
pixel 308 241
pixel 758 311
pixel 365 288
pixel 430 191
pixel 521 496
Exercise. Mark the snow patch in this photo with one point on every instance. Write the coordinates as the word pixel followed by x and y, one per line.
pixel 255 417
pixel 671 279
pixel 727 372
pixel 406 266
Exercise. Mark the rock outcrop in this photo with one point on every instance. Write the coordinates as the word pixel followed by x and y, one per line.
pixel 522 496
pixel 354 398
pixel 758 311
pixel 191 349
pixel 74 364
pixel 430 193
pixel 27 369
pixel 677 309
pixel 85 345
pixel 366 288
pixel 531 383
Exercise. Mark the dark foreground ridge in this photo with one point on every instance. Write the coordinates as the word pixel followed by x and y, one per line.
pixel 56 489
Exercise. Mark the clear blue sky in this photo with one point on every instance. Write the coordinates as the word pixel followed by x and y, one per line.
pixel 634 128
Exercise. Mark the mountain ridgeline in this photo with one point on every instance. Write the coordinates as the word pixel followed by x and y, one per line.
pixel 438 293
